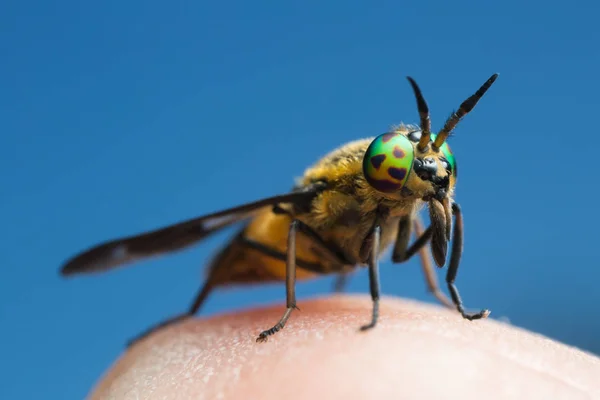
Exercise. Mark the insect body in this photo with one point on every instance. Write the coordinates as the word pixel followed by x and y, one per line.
pixel 349 207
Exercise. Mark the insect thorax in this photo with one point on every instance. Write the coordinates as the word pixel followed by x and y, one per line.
pixel 345 211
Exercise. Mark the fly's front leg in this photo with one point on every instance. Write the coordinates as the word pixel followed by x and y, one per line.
pixel 457 248
pixel 290 284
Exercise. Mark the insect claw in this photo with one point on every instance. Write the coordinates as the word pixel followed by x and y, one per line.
pixel 367 327
pixel 480 315
pixel 262 339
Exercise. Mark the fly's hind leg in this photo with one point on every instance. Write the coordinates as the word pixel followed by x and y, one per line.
pixel 340 282
pixel 402 252
pixel 215 276
pixel 290 284
pixel 198 301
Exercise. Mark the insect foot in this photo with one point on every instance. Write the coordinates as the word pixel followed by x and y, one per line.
pixel 480 315
pixel 264 335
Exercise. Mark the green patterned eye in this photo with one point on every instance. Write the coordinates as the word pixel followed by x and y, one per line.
pixel 388 161
pixel 447 154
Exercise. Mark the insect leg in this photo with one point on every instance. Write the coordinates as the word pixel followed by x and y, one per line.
pixel 402 253
pixel 327 250
pixel 278 255
pixel 334 254
pixel 290 284
pixel 341 282
pixel 457 247
pixel 198 301
pixel 341 279
pixel 374 277
pixel 427 267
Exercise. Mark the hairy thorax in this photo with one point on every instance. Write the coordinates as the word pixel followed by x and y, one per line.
pixel 345 212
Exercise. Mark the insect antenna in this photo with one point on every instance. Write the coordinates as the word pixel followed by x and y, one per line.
pixel 424 114
pixel 463 110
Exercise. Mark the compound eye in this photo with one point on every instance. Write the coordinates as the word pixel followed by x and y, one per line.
pixel 414 136
pixel 388 161
pixel 448 156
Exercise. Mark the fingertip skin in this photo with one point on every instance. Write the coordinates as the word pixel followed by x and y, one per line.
pixel 416 351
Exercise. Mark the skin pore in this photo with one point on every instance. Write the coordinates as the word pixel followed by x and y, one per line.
pixel 416 351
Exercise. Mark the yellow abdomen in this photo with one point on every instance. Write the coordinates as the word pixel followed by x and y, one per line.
pixel 239 263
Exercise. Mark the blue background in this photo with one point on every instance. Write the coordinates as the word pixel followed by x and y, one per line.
pixel 119 117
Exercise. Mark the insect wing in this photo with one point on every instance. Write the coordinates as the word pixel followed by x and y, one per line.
pixel 175 237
